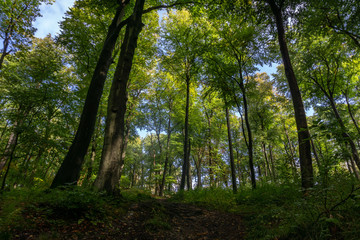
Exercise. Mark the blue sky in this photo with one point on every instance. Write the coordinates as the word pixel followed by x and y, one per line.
pixel 51 16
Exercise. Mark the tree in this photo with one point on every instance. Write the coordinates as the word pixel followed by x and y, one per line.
pixel 16 19
pixel 300 115
pixel 39 81
pixel 69 171
pixel 114 142
pixel 325 69
pixel 182 38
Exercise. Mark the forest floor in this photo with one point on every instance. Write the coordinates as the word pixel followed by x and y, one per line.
pixel 147 219
pixel 267 213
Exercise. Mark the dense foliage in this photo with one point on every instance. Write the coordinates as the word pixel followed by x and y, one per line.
pixel 167 96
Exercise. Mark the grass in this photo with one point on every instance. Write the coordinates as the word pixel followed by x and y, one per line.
pixel 212 198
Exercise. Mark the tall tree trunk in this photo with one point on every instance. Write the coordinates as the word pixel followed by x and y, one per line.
pixel 231 152
pixel 70 168
pixel 351 113
pixel 307 179
pixel 6 41
pixel 162 185
pixel 198 166
pixel 315 153
pixel 188 177
pixel 112 159
pixel 170 171
pixel 9 149
pixel 208 117
pixel 272 162
pixel 266 159
pixel 355 170
pixel 185 170
pixel 240 174
pixel 11 144
pixel 292 153
pixel 249 142
pixel 4 129
pixel 345 134
pixel 9 164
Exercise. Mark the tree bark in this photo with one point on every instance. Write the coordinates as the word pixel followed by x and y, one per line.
pixel 345 134
pixel 249 141
pixel 350 113
pixel 185 170
pixel 162 185
pixel 272 163
pixel 208 117
pixel 70 168
pixel 9 164
pixel 231 152
pixel 307 179
pixel 112 159
pixel 188 177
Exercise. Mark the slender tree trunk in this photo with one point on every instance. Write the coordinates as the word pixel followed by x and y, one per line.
pixel 355 170
pixel 259 170
pixel 249 142
pixel 307 179
pixel 345 135
pixel 211 175
pixel 198 167
pixel 4 52
pixel 170 172
pixel 8 167
pixel 186 164
pixel 9 149
pixel 231 152
pixel 70 168
pixel 162 185
pixel 266 159
pixel 315 153
pixel 13 139
pixel 272 162
pixel 292 153
pixel 240 174
pixel 4 130
pixel 112 159
pixel 142 178
pixel 188 178
pixel 351 113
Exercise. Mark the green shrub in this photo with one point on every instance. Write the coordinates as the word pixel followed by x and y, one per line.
pixel 214 198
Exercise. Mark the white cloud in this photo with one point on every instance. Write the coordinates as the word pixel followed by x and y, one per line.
pixel 51 16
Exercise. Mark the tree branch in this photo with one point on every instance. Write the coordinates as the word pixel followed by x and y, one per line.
pixel 167 6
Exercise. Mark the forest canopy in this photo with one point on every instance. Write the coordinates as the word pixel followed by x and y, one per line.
pixel 168 95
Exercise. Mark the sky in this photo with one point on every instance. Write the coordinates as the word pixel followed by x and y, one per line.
pixel 51 16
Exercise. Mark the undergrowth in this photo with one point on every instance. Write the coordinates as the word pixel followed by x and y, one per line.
pixel 273 211
pixel 327 211
pixel 24 209
pixel 285 212
pixel 212 198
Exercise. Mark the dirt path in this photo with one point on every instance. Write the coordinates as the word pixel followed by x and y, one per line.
pixel 159 219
